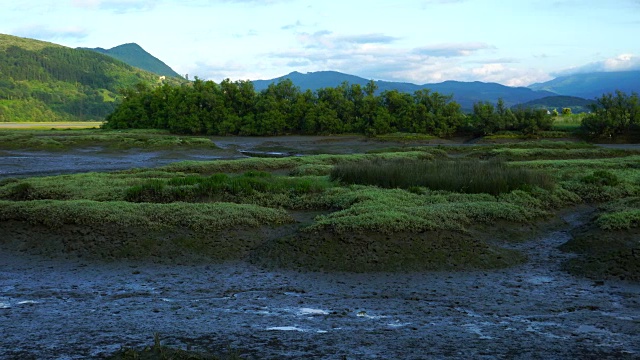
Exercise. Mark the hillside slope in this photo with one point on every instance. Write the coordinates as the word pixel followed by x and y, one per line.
pixel 42 81
pixel 136 56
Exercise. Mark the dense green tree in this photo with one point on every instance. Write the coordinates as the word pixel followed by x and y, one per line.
pixel 204 107
pixel 485 119
pixel 613 115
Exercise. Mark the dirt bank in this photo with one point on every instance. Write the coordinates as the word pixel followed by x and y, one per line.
pixel 604 254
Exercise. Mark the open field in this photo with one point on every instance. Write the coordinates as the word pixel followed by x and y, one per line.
pixel 363 252
pixel 50 125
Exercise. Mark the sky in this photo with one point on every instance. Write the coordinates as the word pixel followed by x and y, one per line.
pixel 512 42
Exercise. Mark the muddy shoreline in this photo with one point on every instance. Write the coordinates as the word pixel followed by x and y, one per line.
pixel 74 309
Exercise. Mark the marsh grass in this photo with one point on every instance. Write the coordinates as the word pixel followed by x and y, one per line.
pixel 196 217
pixel 50 125
pixel 371 208
pixel 65 139
pixel 464 176
pixel 622 214
pixel 516 154
pixel 220 186
pixel 405 137
pixel 162 352
pixel 277 164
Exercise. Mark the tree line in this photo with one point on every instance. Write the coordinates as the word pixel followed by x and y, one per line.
pixel 235 108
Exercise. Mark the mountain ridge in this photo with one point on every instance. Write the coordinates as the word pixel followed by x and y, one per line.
pixel 134 55
pixel 593 84
pixel 465 93
pixel 44 81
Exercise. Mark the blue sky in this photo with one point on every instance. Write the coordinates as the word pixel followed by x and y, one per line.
pixel 513 42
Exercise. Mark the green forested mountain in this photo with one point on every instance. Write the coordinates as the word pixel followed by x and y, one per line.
pixel 41 81
pixel 136 56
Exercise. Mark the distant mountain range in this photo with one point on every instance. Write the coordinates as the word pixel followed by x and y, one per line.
pixel 592 85
pixel 465 93
pixel 136 56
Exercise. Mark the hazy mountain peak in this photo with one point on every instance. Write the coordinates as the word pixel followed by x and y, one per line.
pixel 592 85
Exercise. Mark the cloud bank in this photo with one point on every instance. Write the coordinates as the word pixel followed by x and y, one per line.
pixel 622 62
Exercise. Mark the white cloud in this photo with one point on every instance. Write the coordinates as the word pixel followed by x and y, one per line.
pixel 622 62
pixel 377 56
pixel 52 33
pixel 453 49
pixel 328 40
pixel 117 6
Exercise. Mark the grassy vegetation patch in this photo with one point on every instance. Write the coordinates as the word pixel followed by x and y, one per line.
pixel 197 217
pixel 162 352
pixel 623 214
pixel 288 163
pixel 66 139
pixel 405 137
pixel 367 208
pixel 222 186
pixel 519 154
pixel 50 125
pixel 465 176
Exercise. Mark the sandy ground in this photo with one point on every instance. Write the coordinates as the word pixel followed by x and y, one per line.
pixel 73 309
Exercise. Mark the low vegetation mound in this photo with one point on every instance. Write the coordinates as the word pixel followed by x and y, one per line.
pixel 609 246
pixel 365 251
pixel 423 209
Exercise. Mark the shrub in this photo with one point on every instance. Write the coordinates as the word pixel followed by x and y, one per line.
pixel 601 178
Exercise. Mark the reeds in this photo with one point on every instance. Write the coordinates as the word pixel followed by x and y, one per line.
pixel 465 176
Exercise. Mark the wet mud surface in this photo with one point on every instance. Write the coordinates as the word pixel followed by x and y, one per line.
pixel 72 309
pixel 20 163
